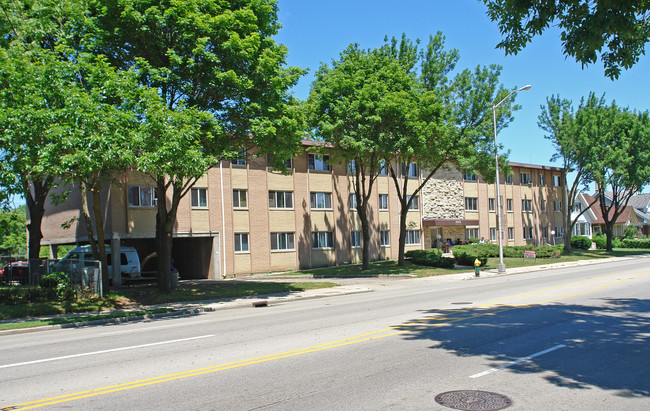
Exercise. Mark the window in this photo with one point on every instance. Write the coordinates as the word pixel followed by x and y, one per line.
pixel 509 204
pixel 352 167
pixel 493 234
pixel 318 162
pixel 280 199
pixel 542 205
pixel 491 206
pixel 412 237
pixel 557 182
pixel 355 239
pixel 321 200
pixel 526 206
pixel 199 197
pixel 383 170
pixel 383 201
pixel 384 238
pixel 470 176
pixel 322 239
pixel 471 204
pixel 559 232
pixel 282 241
pixel 528 233
pixel 415 204
pixel 241 242
pixel 524 178
pixel 557 206
pixel 471 233
pixel 240 160
pixel 541 179
pixel 581 229
pixel 578 207
pixel 511 233
pixel 239 199
pixel 410 171
pixel 509 179
pixel 287 163
pixel 353 201
pixel 142 196
pixel 544 232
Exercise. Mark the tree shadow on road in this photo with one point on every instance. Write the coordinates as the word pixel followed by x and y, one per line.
pixel 603 344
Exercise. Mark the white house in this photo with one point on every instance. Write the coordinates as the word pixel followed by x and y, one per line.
pixel 582 227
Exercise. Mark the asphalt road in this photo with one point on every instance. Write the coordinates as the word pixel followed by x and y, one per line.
pixel 571 339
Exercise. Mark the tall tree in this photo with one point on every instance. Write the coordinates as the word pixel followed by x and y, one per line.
pixel 363 100
pixel 455 123
pixel 572 146
pixel 214 56
pixel 13 238
pixel 617 30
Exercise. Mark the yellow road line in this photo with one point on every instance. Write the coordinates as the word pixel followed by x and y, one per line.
pixel 440 320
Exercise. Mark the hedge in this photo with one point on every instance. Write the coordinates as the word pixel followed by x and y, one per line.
pixel 465 253
pixel 581 242
pixel 430 258
pixel 635 243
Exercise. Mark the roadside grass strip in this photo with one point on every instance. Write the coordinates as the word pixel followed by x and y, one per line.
pixel 581 287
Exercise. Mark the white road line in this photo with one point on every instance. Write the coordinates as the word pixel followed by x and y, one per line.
pixel 510 364
pixel 155 327
pixel 103 351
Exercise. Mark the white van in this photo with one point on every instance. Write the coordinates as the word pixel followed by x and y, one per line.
pixel 129 260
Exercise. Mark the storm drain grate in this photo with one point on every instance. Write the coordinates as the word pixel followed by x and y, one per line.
pixel 473 400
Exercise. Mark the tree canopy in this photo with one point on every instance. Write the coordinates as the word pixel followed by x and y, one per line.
pixel 617 30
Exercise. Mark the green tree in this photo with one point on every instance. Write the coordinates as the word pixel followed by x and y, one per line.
pixel 210 56
pixel 13 235
pixel 363 100
pixel 617 30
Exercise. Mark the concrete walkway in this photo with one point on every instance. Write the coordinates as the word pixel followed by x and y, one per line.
pixel 348 286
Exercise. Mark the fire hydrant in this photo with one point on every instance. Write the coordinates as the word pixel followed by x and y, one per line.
pixel 477 264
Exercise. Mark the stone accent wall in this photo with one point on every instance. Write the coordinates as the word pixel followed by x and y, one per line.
pixel 442 196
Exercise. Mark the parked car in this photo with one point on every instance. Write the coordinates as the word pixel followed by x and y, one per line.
pixel 16 272
pixel 82 256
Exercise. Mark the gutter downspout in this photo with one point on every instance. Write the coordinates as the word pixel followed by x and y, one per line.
pixel 223 222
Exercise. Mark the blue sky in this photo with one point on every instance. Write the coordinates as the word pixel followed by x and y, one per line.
pixel 317 31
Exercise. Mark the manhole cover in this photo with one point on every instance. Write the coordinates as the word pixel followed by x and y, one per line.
pixel 472 400
pixel 462 302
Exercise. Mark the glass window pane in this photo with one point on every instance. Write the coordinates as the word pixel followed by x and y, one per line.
pixel 134 196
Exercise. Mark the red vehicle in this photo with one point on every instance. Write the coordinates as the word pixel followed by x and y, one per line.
pixel 16 272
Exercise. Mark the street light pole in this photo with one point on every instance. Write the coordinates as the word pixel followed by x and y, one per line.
pixel 502 266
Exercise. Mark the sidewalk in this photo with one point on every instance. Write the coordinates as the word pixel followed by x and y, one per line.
pixel 358 286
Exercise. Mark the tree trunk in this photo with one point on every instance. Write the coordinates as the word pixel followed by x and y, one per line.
pixel 402 235
pixel 99 223
pixel 165 220
pixel 609 232
pixel 365 230
pixel 36 208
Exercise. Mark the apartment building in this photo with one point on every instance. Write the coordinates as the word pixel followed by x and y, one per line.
pixel 243 217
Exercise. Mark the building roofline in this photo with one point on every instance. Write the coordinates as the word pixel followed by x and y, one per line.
pixel 536 166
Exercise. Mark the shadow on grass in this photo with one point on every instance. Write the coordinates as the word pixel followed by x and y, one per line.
pixel 607 347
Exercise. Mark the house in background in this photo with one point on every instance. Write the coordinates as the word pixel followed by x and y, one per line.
pixel 641 205
pixel 627 217
pixel 583 226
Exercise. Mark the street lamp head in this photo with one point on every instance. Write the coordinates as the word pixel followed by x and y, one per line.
pixel 526 87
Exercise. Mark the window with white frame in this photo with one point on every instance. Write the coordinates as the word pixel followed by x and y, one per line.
pixel 578 207
pixel 509 204
pixel 410 170
pixel 322 239
pixel 355 239
pixel 542 205
pixel 471 233
pixel 142 196
pixel 541 179
pixel 353 201
pixel 280 199
pixel 383 169
pixel 384 238
pixel 412 237
pixel 526 206
pixel 319 162
pixel 528 233
pixel 471 204
pixel 511 233
pixel 199 197
pixel 383 201
pixel 559 232
pixel 491 204
pixel 493 234
pixel 524 178
pixel 321 200
pixel 240 160
pixel 469 175
pixel 581 229
pixel 557 206
pixel 241 242
pixel 239 199
pixel 415 203
pixel 282 242
pixel 557 181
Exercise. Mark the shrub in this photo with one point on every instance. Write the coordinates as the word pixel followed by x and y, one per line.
pixel 57 286
pixel 635 243
pixel 630 231
pixel 467 254
pixel 580 242
pixel 550 251
pixel 601 242
pixel 430 258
